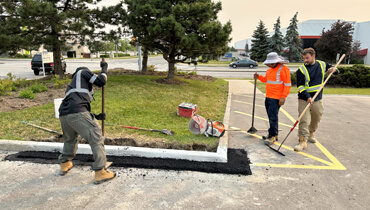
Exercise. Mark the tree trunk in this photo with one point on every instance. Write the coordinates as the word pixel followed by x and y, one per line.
pixel 145 60
pixel 57 64
pixel 171 70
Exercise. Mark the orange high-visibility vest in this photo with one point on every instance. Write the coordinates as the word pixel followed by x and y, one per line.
pixel 277 81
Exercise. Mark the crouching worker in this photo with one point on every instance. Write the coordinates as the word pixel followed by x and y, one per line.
pixel 278 85
pixel 76 119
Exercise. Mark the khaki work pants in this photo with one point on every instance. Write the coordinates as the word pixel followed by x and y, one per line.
pixel 310 120
pixel 87 127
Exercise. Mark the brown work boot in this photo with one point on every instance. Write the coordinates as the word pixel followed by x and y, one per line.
pixel 270 140
pixel 301 145
pixel 103 176
pixel 312 138
pixel 65 167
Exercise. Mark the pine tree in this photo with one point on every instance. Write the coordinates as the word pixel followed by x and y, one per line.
pixel 259 42
pixel 276 42
pixel 293 41
pixel 181 27
pixel 338 39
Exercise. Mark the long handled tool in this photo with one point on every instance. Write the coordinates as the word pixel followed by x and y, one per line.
pixel 45 129
pixel 307 107
pixel 253 129
pixel 102 108
pixel 165 131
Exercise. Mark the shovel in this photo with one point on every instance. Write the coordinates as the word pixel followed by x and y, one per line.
pixel 305 110
pixel 165 131
pixel 253 129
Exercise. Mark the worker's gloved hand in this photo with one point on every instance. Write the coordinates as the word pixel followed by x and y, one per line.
pixel 100 116
pixel 104 67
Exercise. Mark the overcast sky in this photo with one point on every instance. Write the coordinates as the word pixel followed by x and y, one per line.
pixel 246 14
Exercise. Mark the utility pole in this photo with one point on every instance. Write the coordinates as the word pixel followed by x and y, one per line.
pixel 139 54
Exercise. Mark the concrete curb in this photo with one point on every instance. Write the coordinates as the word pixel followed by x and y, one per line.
pixel 201 156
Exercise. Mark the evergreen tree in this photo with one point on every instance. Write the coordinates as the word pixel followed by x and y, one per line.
pixel 28 24
pixel 293 41
pixel 178 27
pixel 259 43
pixel 338 39
pixel 276 42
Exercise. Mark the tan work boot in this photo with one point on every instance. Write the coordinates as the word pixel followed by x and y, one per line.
pixel 270 140
pixel 312 138
pixel 301 145
pixel 103 176
pixel 65 167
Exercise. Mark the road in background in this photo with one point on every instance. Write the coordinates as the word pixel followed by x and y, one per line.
pixel 22 67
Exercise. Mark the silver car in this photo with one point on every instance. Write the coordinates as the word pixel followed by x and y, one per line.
pixel 244 63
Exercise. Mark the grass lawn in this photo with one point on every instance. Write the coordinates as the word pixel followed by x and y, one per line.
pixel 327 90
pixel 133 101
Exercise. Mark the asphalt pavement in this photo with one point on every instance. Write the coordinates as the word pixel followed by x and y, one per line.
pixel 331 174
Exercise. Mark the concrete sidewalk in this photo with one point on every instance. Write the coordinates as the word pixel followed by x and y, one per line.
pixel 313 180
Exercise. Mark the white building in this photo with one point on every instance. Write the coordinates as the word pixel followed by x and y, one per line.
pixel 310 31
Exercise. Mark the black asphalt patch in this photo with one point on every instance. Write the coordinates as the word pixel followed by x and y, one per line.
pixel 238 162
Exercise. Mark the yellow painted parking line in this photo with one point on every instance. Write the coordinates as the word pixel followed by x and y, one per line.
pixel 291 149
pixel 248 103
pixel 262 118
pixel 288 115
pixel 298 166
pixel 248 96
pixel 335 163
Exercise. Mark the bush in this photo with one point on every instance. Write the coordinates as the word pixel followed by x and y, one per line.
pixel 151 68
pixel 27 93
pixel 355 76
pixel 359 61
pixel 123 54
pixel 104 56
pixel 60 83
pixel 38 88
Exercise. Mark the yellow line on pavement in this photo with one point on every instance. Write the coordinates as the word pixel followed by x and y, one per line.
pixel 291 149
pixel 248 96
pixel 248 103
pixel 261 118
pixel 298 166
pixel 335 163
pixel 288 115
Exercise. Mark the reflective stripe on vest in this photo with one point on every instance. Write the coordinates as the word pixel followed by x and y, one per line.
pixel 78 88
pixel 307 87
pixel 277 82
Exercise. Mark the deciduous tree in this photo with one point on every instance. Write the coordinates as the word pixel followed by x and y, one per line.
pixel 338 39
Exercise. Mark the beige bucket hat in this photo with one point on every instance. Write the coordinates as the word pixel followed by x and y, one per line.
pixel 273 57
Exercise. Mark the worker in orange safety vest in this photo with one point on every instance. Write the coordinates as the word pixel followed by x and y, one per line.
pixel 278 86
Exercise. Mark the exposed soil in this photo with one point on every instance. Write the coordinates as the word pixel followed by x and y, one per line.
pixel 13 103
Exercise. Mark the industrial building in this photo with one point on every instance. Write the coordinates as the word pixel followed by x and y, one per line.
pixel 310 31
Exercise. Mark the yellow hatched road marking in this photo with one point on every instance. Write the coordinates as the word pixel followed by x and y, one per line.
pixel 333 165
pixel 291 149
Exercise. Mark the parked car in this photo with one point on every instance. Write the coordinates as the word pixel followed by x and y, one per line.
pixel 36 65
pixel 244 63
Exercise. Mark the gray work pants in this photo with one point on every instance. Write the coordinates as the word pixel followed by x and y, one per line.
pixel 310 120
pixel 87 127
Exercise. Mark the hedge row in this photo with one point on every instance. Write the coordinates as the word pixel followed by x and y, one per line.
pixel 355 76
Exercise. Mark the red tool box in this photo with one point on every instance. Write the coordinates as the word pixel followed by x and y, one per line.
pixel 186 109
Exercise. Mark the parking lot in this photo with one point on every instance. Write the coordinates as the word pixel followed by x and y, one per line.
pixel 331 174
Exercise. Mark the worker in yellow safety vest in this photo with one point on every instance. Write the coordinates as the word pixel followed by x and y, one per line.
pixel 310 76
